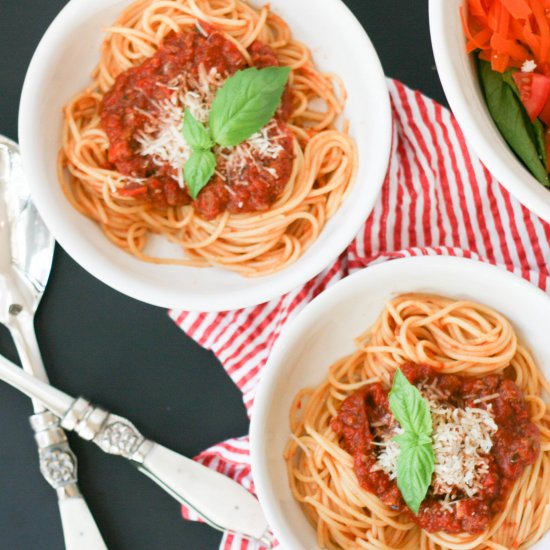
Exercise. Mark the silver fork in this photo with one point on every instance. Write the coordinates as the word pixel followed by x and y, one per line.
pixel 26 254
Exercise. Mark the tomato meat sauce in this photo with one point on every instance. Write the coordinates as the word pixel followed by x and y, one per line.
pixel 131 106
pixel 516 445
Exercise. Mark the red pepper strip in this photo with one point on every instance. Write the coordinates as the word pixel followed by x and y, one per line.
pixel 526 35
pixel 475 41
pixel 476 9
pixel 500 62
pixel 544 30
pixel 503 22
pixel 518 9
pixel 509 47
pixel 479 41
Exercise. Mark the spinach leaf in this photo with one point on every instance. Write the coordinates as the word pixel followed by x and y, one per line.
pixel 541 143
pixel 508 77
pixel 512 120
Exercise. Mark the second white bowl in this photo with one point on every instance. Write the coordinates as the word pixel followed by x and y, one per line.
pixel 462 88
pixel 324 331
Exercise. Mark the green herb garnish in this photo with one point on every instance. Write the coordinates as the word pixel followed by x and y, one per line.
pixel 246 103
pixel 243 105
pixel 195 134
pixel 416 462
pixel 198 170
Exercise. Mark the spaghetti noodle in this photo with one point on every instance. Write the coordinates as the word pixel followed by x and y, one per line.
pixel 462 338
pixel 324 159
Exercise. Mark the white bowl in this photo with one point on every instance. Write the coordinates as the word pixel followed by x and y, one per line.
pixel 324 332
pixel 61 67
pixel 461 85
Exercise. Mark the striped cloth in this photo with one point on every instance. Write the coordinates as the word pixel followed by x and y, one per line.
pixel 437 199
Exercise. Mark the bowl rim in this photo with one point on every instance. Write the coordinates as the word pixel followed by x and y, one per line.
pixel 294 331
pixel 265 288
pixel 507 169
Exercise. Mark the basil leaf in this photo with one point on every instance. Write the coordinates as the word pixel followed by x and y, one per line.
pixel 424 439
pixel 416 462
pixel 512 120
pixel 408 406
pixel 407 439
pixel 415 468
pixel 195 133
pixel 246 103
pixel 410 439
pixel 198 170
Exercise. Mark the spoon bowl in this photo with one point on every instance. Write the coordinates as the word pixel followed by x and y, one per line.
pixel 26 245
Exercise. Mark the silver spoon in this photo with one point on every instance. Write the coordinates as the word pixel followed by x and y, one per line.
pixel 26 254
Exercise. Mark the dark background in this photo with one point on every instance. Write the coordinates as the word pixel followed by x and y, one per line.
pixel 128 356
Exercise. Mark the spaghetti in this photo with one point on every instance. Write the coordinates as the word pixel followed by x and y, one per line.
pixel 253 243
pixel 462 338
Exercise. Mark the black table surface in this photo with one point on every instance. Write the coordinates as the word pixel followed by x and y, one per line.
pixel 129 356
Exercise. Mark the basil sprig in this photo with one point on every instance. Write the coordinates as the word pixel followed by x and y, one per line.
pixel 243 105
pixel 416 462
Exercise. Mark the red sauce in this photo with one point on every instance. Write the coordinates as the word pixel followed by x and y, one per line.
pixel 127 110
pixel 516 445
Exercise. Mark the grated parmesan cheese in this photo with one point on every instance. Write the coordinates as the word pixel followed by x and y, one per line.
pixel 461 439
pixel 528 66
pixel 265 144
pixel 167 146
pixel 162 138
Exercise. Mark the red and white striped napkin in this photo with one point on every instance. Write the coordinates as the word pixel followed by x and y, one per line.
pixel 437 199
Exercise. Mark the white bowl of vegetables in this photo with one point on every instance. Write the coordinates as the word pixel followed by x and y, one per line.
pixel 490 55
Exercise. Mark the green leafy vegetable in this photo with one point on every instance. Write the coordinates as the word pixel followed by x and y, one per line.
pixel 413 439
pixel 508 77
pixel 416 462
pixel 415 468
pixel 246 103
pixel 512 120
pixel 195 133
pixel 243 106
pixel 540 142
pixel 198 170
pixel 408 406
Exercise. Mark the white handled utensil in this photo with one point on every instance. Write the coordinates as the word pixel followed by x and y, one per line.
pixel 221 502
pixel 26 254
